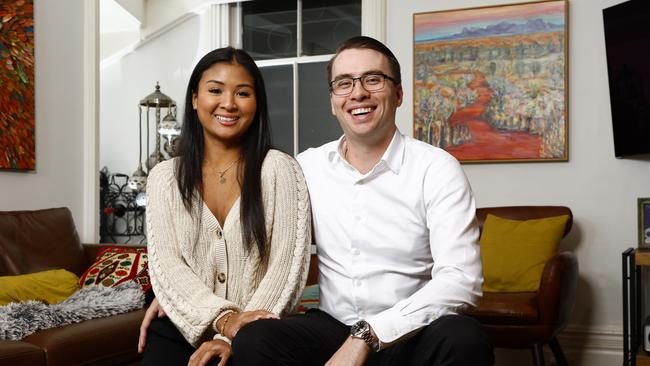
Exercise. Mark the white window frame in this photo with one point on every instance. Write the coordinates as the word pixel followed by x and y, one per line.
pixel 373 24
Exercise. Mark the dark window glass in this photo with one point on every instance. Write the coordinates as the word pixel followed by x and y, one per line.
pixel 279 90
pixel 270 28
pixel 327 23
pixel 316 123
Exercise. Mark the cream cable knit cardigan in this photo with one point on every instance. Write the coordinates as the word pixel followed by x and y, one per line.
pixel 199 268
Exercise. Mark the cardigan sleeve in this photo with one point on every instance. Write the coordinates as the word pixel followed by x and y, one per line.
pixel 188 302
pixel 288 214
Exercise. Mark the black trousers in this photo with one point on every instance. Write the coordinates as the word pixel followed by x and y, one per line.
pixel 312 338
pixel 167 346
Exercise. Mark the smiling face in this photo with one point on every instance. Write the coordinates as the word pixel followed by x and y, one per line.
pixel 225 102
pixel 366 118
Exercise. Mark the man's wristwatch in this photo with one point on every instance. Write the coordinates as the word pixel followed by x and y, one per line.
pixel 361 330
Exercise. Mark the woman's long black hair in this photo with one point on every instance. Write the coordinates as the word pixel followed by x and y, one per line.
pixel 256 142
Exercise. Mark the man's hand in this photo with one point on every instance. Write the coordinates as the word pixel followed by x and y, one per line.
pixel 209 350
pixel 154 311
pixel 237 320
pixel 353 352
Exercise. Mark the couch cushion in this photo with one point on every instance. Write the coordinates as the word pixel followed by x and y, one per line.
pixel 34 241
pixel 49 287
pixel 105 341
pixel 115 265
pixel 20 353
pixel 514 252
pixel 310 299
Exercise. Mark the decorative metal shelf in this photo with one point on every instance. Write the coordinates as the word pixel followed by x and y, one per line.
pixel 122 214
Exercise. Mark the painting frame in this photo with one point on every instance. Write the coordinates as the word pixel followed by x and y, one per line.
pixel 490 83
pixel 643 211
pixel 17 103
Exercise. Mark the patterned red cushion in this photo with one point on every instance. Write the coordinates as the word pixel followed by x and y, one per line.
pixel 115 265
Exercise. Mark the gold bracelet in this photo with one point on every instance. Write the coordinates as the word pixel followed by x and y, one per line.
pixel 223 324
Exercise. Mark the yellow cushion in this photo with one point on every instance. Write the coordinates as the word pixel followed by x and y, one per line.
pixel 514 252
pixel 48 286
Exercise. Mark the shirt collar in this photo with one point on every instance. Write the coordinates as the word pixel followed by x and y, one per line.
pixel 393 156
pixel 335 151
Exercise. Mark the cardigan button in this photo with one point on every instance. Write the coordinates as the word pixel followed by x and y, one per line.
pixel 221 277
pixel 219 234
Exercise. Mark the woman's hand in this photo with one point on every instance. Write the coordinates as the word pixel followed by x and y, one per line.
pixel 154 311
pixel 209 350
pixel 237 320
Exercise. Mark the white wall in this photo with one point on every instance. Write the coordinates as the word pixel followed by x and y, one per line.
pixel 600 189
pixel 57 180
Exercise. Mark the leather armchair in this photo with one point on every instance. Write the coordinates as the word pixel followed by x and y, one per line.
pixel 531 319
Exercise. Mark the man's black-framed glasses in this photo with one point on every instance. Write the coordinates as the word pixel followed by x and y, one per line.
pixel 371 82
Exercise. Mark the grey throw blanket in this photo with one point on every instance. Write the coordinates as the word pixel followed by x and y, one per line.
pixel 18 320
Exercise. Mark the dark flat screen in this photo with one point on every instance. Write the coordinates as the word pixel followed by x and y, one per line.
pixel 627 41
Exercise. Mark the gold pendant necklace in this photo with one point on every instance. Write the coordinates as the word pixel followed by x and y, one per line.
pixel 222 178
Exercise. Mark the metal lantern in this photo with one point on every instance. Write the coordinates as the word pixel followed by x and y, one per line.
pixel 159 103
pixel 155 101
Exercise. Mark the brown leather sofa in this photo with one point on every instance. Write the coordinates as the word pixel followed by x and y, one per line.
pixel 33 241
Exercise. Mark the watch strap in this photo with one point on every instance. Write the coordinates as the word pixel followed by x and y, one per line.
pixel 363 331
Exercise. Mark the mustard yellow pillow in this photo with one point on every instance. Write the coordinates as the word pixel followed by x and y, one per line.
pixel 514 252
pixel 48 286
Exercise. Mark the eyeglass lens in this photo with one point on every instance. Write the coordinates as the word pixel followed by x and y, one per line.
pixel 369 82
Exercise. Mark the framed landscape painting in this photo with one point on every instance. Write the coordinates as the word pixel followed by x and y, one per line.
pixel 490 83
pixel 17 113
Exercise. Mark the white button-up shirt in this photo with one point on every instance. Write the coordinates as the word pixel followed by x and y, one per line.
pixel 397 246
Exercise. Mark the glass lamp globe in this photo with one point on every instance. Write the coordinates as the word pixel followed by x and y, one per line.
pixel 169 127
pixel 138 180
pixel 141 199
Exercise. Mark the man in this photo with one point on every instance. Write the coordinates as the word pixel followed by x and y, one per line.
pixel 394 224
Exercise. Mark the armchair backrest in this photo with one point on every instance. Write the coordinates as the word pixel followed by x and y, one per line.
pixel 525 213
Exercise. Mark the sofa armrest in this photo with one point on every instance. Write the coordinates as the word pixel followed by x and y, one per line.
pixel 91 250
pixel 557 290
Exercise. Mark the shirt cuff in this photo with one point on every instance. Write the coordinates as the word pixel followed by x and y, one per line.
pixel 389 326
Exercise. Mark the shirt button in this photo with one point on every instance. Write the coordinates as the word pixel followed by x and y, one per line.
pixel 358 283
pixel 221 277
pixel 356 251
pixel 358 218
pixel 219 234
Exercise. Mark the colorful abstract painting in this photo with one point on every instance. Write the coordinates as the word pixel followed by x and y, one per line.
pixel 490 83
pixel 17 146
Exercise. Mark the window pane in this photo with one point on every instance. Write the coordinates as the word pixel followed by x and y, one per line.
pixel 279 90
pixel 327 23
pixel 270 28
pixel 317 124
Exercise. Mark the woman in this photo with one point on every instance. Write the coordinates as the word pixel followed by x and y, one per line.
pixel 228 220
